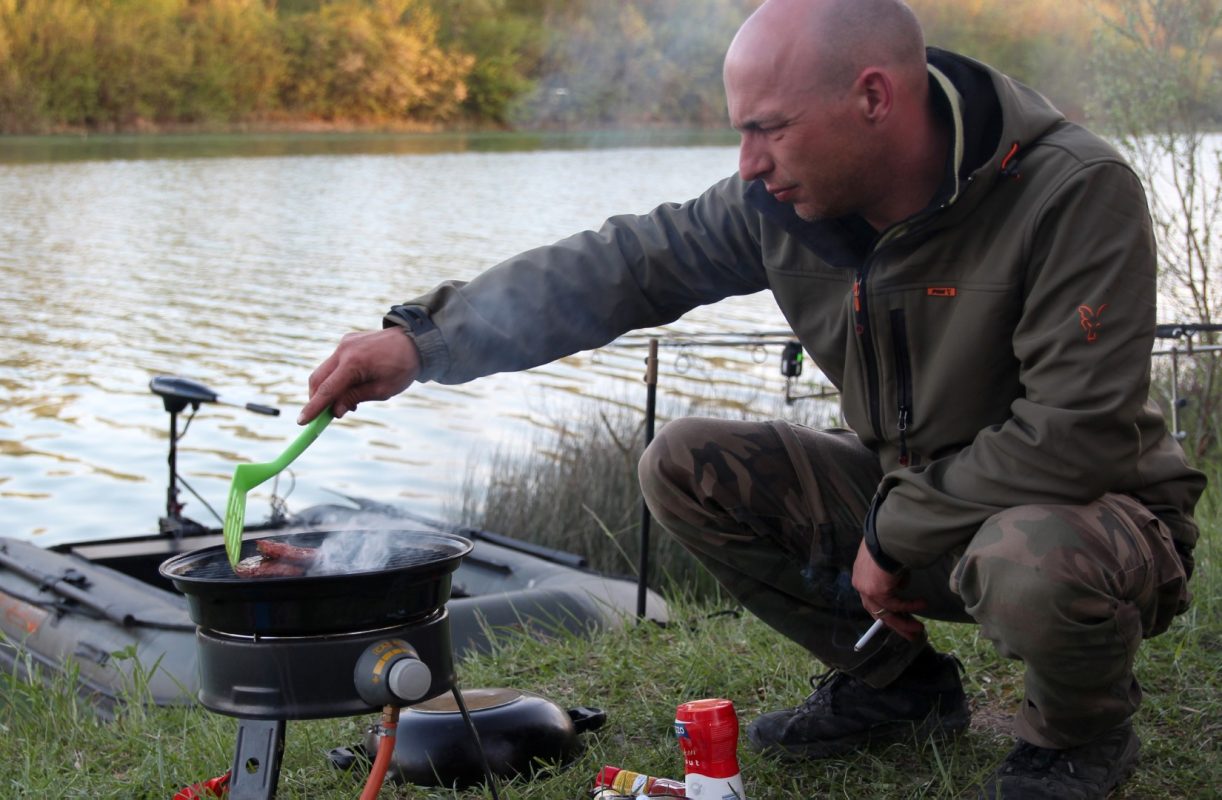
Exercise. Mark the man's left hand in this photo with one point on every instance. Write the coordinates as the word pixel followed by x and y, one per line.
pixel 877 588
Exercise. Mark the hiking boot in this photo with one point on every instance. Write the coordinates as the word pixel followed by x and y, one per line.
pixel 845 714
pixel 1086 772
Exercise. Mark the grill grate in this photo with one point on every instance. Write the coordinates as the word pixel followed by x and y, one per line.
pixel 341 553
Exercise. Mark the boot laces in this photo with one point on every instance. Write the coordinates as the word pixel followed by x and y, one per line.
pixel 826 687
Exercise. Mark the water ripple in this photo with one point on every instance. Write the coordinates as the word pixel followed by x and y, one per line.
pixel 243 273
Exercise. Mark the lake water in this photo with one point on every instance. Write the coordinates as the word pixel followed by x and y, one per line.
pixel 240 262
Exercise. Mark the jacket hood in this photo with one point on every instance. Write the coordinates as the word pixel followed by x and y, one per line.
pixel 993 110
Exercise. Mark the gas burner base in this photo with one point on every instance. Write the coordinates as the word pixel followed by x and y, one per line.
pixel 308 677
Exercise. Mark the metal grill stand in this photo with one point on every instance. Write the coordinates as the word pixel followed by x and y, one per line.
pixel 265 681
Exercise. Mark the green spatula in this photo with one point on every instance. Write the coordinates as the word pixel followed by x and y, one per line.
pixel 248 476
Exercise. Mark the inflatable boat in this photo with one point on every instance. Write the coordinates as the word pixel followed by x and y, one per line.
pixel 101 613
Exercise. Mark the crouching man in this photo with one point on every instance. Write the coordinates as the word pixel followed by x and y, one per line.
pixel 977 275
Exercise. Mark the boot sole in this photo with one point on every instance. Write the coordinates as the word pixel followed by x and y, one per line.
pixel 932 727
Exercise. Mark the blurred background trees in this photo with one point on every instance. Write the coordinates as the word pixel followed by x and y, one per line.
pixel 153 64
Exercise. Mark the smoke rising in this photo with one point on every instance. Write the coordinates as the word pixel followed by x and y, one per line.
pixel 355 551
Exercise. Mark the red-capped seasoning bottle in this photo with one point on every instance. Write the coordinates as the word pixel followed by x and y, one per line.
pixel 707 731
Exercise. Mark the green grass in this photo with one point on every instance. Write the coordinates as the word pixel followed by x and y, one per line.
pixel 51 746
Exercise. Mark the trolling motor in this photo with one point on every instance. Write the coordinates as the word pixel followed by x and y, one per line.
pixel 176 394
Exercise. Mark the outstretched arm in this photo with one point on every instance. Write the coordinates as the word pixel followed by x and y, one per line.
pixel 577 294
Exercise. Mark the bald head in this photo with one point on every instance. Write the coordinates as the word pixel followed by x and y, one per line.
pixel 831 99
pixel 823 45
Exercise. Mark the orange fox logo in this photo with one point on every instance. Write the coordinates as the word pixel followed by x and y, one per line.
pixel 1090 321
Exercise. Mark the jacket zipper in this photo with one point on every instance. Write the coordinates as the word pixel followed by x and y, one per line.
pixel 861 320
pixel 903 379
pixel 861 324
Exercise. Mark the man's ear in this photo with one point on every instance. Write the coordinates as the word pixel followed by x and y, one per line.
pixel 875 94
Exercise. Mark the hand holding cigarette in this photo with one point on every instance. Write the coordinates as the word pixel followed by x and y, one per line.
pixel 868 635
pixel 879 591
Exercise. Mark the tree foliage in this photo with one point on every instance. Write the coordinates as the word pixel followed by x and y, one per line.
pixel 507 42
pixel 122 64
pixel 529 63
pixel 372 60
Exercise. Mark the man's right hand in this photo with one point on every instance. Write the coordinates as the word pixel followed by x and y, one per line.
pixel 372 365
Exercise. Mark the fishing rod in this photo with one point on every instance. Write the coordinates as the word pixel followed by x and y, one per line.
pixel 1185 331
pixel 707 339
pixel 792 354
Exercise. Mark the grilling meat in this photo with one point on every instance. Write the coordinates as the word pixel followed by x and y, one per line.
pixel 277 560
pixel 262 567
pixel 281 551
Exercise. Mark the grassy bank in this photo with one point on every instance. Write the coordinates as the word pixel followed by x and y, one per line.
pixel 52 745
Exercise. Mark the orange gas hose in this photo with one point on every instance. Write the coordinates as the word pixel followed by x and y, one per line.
pixel 386 749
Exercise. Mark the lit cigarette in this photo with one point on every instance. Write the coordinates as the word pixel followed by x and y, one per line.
pixel 868 635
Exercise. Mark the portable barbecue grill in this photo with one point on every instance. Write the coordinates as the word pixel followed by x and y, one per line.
pixel 323 644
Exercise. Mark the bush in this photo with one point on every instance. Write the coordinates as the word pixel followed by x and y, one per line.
pixel 237 62
pixel 49 75
pixel 372 61
pixel 107 64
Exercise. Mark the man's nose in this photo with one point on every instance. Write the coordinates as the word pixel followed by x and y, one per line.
pixel 753 159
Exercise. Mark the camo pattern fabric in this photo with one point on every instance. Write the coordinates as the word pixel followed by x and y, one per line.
pixel 733 493
pixel 774 511
pixel 1072 591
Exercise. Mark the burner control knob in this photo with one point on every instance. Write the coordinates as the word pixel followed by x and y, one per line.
pixel 390 672
pixel 409 679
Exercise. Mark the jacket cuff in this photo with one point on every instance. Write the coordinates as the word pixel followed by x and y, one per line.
pixel 420 328
pixel 870 534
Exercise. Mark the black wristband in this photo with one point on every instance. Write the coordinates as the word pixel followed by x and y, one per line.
pixel 413 319
pixel 870 534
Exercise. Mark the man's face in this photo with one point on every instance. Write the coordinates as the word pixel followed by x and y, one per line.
pixel 805 145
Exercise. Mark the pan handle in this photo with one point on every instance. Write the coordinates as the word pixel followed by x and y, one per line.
pixel 587 718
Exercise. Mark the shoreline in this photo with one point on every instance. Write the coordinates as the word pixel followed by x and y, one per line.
pixel 336 140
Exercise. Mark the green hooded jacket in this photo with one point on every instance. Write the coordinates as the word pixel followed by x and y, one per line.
pixel 993 349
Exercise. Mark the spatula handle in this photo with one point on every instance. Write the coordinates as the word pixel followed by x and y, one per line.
pixel 303 440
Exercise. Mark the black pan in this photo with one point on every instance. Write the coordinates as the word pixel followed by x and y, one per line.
pixel 410 583
pixel 520 731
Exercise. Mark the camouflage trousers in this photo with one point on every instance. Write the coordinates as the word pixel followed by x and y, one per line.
pixel 774 511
